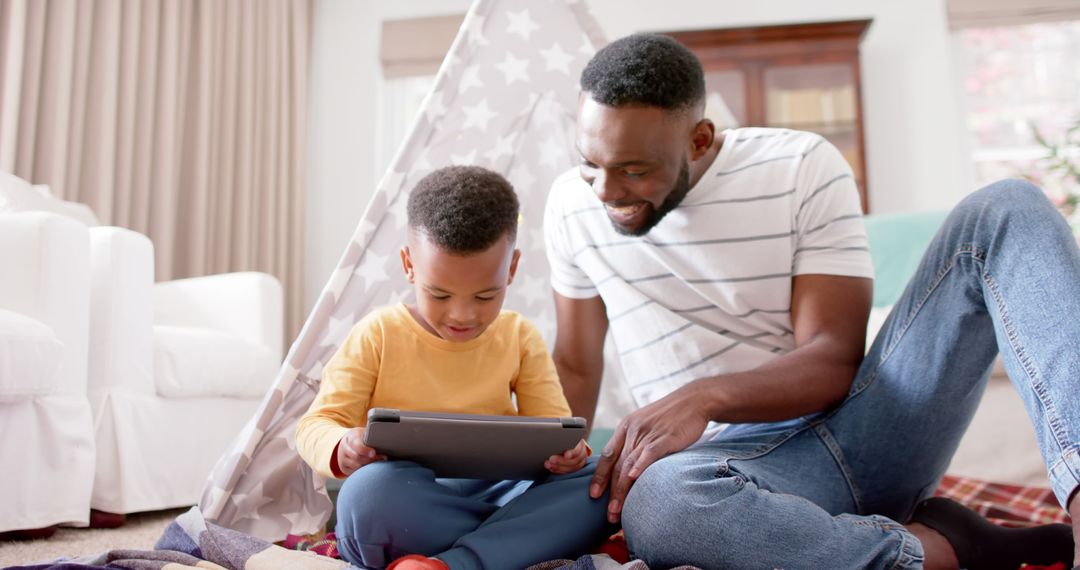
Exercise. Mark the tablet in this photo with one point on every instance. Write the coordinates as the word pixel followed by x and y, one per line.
pixel 472 446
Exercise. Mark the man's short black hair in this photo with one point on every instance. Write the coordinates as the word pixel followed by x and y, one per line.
pixel 645 69
pixel 464 209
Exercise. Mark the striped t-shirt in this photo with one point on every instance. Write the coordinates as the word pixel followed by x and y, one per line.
pixel 708 290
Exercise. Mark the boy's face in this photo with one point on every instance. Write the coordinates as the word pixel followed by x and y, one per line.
pixel 458 296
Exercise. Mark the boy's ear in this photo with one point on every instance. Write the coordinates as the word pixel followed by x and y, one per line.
pixel 513 265
pixel 406 263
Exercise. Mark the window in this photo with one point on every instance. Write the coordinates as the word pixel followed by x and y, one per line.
pixel 1017 78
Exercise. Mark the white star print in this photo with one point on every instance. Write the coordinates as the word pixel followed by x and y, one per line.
pixel 556 59
pixel 479 115
pixel 475 27
pixel 433 106
pixel 504 146
pixel 372 268
pixel 522 178
pixel 521 24
pixel 513 68
pixel 397 213
pixel 469 78
pixel 463 159
pixel 338 329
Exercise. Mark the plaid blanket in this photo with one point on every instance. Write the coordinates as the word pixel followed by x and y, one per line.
pixel 1008 505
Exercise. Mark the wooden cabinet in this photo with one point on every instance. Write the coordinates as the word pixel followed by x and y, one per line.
pixel 799 76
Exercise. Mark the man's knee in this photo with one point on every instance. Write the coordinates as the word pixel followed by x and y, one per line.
pixel 1007 197
pixel 666 503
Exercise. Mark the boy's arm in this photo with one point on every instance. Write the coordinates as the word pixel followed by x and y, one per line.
pixel 538 391
pixel 348 382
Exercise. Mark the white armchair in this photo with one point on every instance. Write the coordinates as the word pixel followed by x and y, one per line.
pixel 174 369
pixel 46 428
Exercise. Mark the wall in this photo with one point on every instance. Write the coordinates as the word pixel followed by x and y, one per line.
pixel 917 157
pixel 345 82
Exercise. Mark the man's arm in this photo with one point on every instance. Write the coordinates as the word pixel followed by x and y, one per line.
pixel 828 314
pixel 579 351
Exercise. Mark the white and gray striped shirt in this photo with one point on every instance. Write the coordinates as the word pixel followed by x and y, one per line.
pixel 708 290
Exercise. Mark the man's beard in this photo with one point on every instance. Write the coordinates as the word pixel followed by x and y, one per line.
pixel 674 198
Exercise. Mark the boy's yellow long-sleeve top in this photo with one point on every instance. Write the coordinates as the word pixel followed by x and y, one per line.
pixel 390 361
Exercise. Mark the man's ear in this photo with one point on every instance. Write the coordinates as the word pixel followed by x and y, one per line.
pixel 701 138
pixel 513 265
pixel 406 263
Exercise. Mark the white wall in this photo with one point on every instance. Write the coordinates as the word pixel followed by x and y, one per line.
pixel 345 82
pixel 917 157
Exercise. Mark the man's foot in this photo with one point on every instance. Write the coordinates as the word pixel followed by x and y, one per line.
pixel 417 562
pixel 979 543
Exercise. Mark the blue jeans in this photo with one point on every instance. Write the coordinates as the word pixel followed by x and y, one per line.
pixel 830 490
pixel 392 508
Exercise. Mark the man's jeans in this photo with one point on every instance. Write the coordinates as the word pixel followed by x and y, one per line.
pixel 829 490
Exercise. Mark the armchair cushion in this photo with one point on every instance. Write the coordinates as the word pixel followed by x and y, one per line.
pixel 17 195
pixel 29 356
pixel 192 362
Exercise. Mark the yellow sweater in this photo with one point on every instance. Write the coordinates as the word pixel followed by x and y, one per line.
pixel 390 361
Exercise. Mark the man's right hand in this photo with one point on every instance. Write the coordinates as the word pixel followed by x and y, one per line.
pixel 661 428
pixel 352 454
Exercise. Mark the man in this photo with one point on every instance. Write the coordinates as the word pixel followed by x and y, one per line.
pixel 733 271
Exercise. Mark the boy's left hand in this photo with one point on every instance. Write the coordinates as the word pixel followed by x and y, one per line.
pixel 571 460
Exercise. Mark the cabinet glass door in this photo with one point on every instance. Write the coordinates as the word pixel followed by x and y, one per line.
pixel 820 98
pixel 725 98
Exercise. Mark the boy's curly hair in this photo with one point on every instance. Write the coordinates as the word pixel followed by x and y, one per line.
pixel 464 209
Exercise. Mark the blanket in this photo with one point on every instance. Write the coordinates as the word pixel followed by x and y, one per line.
pixel 190 542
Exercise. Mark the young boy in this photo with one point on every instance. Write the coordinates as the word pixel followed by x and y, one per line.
pixel 455 350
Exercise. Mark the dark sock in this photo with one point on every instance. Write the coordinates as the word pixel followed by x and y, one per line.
pixel 983 545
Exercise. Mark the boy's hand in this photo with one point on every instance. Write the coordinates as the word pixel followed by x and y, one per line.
pixel 571 460
pixel 352 454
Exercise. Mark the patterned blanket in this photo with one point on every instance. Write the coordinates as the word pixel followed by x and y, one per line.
pixel 192 543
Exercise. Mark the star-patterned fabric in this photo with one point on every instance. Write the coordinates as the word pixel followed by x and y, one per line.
pixel 505 99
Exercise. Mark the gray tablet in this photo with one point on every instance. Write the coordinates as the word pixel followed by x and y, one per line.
pixel 472 446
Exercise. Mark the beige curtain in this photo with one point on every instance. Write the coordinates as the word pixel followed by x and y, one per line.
pixel 185 120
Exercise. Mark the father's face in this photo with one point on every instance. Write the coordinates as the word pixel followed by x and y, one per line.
pixel 636 159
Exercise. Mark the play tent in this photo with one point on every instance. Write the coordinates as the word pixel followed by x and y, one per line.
pixel 504 98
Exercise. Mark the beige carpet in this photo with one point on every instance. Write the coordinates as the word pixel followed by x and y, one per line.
pixel 140 532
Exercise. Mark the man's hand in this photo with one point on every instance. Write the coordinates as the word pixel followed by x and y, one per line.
pixel 646 435
pixel 569 461
pixel 352 454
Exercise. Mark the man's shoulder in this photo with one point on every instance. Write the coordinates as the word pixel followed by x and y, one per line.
pixel 767 140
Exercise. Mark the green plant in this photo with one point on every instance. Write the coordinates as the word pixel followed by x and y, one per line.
pixel 1063 158
pixel 1062 161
